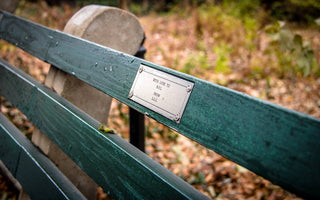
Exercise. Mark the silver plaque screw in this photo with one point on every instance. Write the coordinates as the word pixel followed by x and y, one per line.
pixel 141 69
pixel 177 117
pixel 130 94
pixel 189 88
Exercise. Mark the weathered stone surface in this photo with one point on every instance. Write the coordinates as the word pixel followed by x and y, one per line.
pixel 9 5
pixel 108 26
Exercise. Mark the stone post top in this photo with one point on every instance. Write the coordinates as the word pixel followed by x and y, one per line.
pixel 108 26
pixel 9 5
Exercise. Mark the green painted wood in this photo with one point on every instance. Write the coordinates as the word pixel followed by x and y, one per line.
pixel 121 169
pixel 277 143
pixel 40 178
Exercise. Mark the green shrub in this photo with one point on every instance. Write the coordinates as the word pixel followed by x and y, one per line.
pixel 294 53
pixel 222 64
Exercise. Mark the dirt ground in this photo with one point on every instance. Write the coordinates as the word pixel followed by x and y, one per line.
pixel 171 42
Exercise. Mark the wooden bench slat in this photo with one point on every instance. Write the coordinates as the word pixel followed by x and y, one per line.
pixel 37 174
pixel 277 143
pixel 122 170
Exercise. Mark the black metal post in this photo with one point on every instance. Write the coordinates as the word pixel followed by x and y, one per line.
pixel 137 132
pixel 137 128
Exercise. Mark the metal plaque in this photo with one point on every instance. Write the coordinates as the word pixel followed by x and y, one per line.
pixel 161 92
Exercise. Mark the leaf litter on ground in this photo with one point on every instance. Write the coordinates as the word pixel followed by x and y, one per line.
pixel 174 41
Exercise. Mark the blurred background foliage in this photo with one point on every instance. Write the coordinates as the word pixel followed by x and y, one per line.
pixel 291 10
pixel 266 49
pixel 234 26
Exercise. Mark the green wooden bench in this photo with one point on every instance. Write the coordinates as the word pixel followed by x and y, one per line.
pixel 279 144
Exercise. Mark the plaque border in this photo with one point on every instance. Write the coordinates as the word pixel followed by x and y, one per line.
pixel 188 85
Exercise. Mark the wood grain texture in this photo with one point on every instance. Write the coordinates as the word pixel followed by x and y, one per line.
pixel 37 174
pixel 123 171
pixel 277 143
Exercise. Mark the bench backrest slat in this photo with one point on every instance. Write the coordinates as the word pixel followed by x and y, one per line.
pixel 272 141
pixel 118 167
pixel 35 172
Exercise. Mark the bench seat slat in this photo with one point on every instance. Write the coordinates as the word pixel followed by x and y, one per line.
pixel 277 143
pixel 122 170
pixel 37 174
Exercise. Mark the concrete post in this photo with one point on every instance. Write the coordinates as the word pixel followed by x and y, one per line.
pixel 9 5
pixel 108 26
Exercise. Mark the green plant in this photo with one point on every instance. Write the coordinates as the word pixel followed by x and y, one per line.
pixel 136 8
pixel 223 61
pixel 240 9
pixel 196 61
pixel 293 52
pixel 235 23
pixel 197 178
pixel 172 136
pixel 123 115
pixel 189 65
